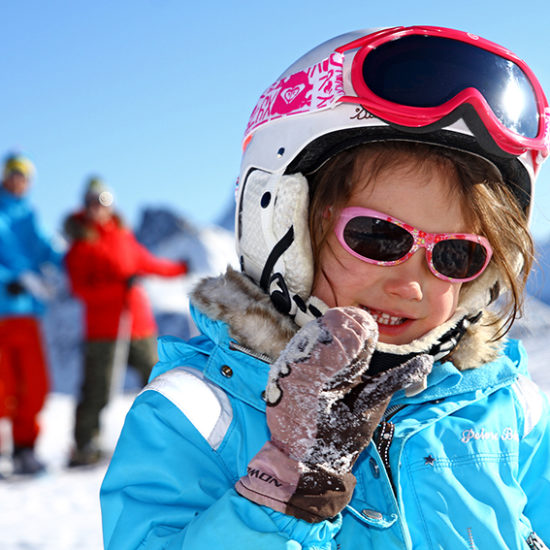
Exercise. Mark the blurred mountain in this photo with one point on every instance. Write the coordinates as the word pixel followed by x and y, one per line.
pixel 227 219
pixel 533 329
pixel 157 224
pixel 539 280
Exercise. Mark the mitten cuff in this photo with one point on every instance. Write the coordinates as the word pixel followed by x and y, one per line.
pixel 272 478
pixel 305 492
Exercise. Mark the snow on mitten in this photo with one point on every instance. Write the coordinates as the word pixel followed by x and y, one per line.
pixel 322 409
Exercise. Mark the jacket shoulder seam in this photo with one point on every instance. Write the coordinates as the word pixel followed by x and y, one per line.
pixel 204 404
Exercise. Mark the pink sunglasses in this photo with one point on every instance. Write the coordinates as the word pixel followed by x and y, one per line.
pixel 380 239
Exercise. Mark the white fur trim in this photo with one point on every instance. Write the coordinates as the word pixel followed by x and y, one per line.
pixel 271 205
pixel 253 321
pixel 203 403
pixel 531 401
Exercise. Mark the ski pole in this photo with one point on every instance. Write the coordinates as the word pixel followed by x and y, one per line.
pixel 122 349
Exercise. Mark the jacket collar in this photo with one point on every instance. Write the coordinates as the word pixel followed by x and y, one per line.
pixel 446 380
pixel 251 318
pixel 239 370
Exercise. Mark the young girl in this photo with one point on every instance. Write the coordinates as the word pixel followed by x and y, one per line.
pixel 353 386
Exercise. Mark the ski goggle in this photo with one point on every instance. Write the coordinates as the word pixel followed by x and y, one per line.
pixel 380 239
pixel 416 76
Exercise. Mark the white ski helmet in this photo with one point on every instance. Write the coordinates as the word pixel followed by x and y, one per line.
pixel 424 84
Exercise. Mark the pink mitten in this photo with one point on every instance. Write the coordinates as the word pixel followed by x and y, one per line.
pixel 322 409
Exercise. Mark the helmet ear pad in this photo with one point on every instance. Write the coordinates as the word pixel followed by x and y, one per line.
pixel 273 240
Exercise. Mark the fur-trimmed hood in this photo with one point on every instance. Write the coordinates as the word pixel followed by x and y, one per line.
pixel 254 322
pixel 252 319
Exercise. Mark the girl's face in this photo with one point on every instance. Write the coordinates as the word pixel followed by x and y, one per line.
pixel 406 300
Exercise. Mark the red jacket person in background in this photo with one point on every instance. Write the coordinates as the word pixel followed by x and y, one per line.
pixel 104 264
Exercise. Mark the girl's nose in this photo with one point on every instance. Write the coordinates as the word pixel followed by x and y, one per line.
pixel 406 280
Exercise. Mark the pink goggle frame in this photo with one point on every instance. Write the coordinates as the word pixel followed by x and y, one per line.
pixel 405 115
pixel 420 239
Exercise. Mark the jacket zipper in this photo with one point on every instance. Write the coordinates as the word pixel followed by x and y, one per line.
pixel 261 356
pixel 384 439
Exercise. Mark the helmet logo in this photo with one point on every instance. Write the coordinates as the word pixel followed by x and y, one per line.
pixel 290 94
pixel 317 87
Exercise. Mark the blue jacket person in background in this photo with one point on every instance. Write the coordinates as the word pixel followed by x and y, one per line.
pixel 24 251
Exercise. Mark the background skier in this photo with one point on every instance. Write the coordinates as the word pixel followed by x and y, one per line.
pixel 104 263
pixel 24 252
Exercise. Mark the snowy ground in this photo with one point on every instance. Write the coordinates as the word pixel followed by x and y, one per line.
pixel 60 510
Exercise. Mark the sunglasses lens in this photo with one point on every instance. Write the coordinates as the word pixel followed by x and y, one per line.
pixel 427 71
pixel 458 258
pixel 377 239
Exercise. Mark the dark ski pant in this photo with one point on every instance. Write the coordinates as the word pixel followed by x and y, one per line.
pixel 99 358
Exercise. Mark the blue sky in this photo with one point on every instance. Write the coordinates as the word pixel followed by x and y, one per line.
pixel 154 95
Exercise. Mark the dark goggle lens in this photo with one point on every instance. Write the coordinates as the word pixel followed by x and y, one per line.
pixel 377 239
pixel 458 258
pixel 427 71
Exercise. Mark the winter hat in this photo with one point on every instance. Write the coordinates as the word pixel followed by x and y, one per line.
pixel 19 164
pixel 97 191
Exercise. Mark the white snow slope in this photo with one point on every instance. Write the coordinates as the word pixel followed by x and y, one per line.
pixel 58 510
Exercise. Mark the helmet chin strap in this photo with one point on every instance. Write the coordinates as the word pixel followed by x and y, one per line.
pixel 300 310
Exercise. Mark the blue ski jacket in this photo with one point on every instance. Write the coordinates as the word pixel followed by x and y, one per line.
pixel 23 247
pixel 467 466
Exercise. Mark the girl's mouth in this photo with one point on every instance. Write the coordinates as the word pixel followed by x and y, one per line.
pixel 385 319
pixel 392 329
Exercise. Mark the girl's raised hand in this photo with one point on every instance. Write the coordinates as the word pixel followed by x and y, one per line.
pixel 322 409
